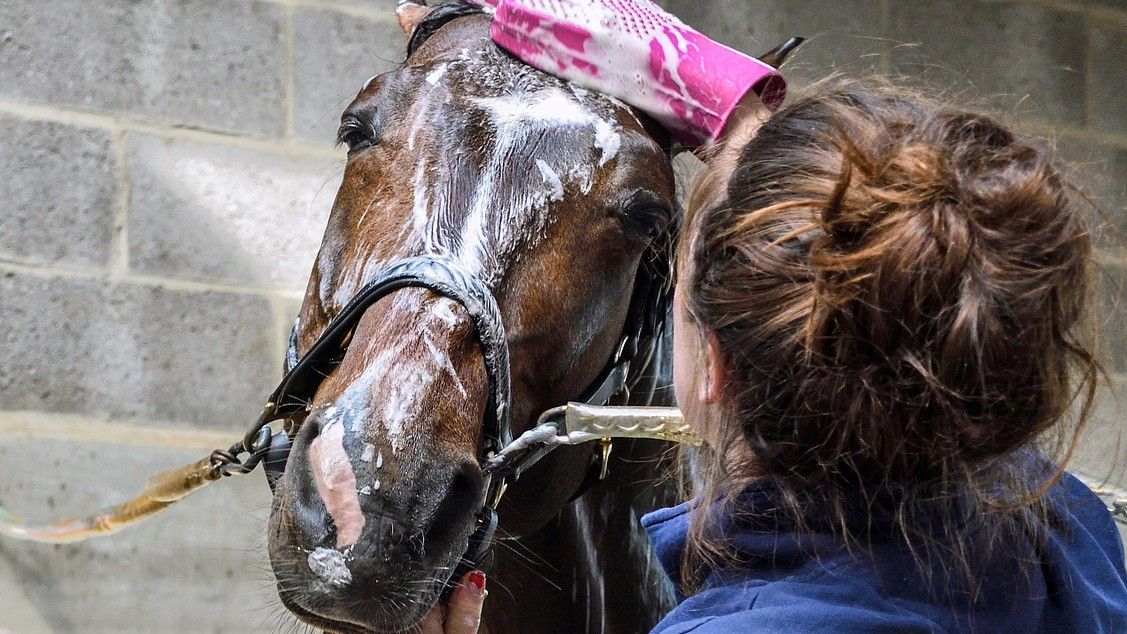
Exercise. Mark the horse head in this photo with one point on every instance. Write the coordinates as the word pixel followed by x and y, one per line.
pixel 547 196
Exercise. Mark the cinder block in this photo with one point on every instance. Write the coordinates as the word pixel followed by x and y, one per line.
pixel 226 213
pixel 1102 451
pixel 1111 307
pixel 840 34
pixel 1101 171
pixel 138 352
pixel 200 566
pixel 57 193
pixel 1017 58
pixel 1108 78
pixel 213 64
pixel 334 54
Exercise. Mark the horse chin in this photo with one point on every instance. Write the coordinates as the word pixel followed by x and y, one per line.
pixel 385 591
pixel 331 614
pixel 394 624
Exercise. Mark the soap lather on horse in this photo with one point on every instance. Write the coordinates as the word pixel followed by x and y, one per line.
pixel 877 315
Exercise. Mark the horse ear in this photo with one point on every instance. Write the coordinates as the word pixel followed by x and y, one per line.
pixel 410 13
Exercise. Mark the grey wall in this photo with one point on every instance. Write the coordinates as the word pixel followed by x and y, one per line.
pixel 165 173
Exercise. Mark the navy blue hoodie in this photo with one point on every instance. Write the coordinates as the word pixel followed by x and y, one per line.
pixel 1068 577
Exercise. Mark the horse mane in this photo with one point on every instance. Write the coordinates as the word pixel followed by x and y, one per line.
pixel 437 18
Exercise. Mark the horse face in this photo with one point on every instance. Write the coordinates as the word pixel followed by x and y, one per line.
pixel 547 193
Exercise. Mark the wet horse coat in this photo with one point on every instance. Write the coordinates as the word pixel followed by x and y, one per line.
pixel 550 195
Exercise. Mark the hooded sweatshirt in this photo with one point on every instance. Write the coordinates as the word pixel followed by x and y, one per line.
pixel 1060 574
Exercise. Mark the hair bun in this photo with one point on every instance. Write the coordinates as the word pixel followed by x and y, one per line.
pixel 898 283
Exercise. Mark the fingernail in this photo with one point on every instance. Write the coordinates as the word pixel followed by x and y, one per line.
pixel 477 580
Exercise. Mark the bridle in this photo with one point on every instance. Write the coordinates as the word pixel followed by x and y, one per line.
pixel 502 459
pixel 291 399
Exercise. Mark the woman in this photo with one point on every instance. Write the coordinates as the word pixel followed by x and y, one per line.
pixel 878 324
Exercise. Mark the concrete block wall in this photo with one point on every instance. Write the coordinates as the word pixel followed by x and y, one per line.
pixel 166 169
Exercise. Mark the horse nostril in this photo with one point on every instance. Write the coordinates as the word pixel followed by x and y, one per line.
pixel 457 508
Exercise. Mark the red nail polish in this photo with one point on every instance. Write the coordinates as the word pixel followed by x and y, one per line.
pixel 477 580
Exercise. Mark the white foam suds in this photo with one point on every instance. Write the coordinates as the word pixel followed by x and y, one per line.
pixel 556 192
pixel 442 360
pixel 330 565
pixel 443 310
pixel 421 119
pixel 435 75
pixel 548 107
pixel 490 231
pixel 607 140
pixel 421 207
pixel 408 381
pixel 369 452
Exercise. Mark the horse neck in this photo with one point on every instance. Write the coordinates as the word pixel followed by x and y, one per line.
pixel 593 569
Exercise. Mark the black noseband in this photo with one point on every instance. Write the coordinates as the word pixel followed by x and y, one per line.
pixel 443 277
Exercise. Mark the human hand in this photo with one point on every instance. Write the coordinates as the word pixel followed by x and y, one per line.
pixel 462 614
pixel 636 51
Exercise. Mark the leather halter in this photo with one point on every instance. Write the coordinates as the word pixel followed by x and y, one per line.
pixel 297 389
pixel 443 277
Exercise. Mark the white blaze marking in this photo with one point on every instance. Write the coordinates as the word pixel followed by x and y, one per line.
pixel 336 483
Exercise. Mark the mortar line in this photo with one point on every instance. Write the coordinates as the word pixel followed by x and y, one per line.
pixel 282 323
pixel 52 270
pixel 47 270
pixel 288 42
pixel 378 15
pixel 1117 16
pixel 78 428
pixel 119 264
pixel 291 148
pixel 216 286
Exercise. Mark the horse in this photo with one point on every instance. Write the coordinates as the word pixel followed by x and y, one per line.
pixel 555 207
pixel 556 199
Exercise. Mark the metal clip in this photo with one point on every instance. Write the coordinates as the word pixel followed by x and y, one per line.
pixel 497 493
pixel 606 446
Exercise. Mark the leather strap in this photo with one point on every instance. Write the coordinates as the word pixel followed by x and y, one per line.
pixel 443 277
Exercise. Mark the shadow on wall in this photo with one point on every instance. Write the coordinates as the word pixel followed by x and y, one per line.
pixel 226 214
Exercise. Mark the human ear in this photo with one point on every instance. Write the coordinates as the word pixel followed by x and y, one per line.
pixel 410 13
pixel 711 386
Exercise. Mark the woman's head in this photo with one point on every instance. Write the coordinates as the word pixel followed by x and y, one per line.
pixel 894 290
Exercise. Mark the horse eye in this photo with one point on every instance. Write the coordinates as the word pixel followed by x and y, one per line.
pixel 356 134
pixel 645 213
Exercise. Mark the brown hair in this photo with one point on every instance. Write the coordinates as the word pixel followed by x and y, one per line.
pixel 898 290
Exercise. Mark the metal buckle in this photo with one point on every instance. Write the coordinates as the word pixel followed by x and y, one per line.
pixel 606 446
